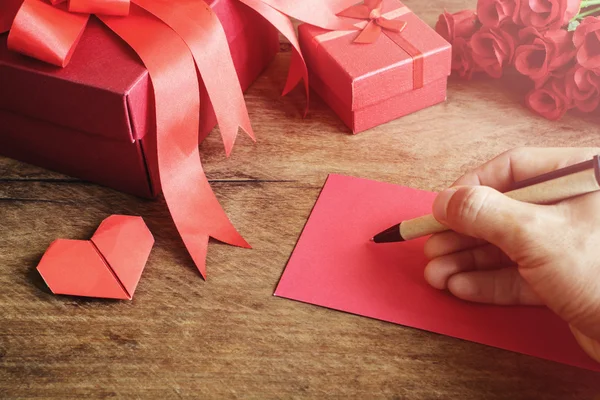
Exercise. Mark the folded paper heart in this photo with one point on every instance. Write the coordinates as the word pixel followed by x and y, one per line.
pixel 108 266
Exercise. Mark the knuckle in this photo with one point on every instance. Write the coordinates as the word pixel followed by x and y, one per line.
pixel 430 248
pixel 516 152
pixel 517 155
pixel 468 204
pixel 540 221
pixel 521 153
pixel 535 234
pixel 469 178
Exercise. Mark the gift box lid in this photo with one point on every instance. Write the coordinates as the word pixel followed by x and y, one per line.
pixel 362 75
pixel 103 91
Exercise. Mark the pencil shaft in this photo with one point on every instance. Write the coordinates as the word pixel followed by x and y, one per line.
pixel 547 192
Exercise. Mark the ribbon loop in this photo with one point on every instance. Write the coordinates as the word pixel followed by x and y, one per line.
pixel 371 12
pixel 45 32
pixel 392 24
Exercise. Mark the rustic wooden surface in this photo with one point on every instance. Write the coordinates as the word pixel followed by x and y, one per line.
pixel 229 337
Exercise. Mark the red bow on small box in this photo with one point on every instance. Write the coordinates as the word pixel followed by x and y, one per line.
pixel 371 11
pixel 378 23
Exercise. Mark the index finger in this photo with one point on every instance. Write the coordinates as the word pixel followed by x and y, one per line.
pixel 523 163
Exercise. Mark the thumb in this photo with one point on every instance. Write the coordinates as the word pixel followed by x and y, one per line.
pixel 485 213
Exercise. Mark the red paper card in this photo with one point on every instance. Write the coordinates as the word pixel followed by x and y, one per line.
pixel 335 265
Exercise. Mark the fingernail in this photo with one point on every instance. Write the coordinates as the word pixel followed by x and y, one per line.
pixel 440 205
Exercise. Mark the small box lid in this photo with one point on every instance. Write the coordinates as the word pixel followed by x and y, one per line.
pixel 365 74
pixel 103 91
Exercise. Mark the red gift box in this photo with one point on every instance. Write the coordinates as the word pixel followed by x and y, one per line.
pixel 368 84
pixel 92 119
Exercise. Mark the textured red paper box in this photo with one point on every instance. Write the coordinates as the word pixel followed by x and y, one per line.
pixel 370 84
pixel 91 119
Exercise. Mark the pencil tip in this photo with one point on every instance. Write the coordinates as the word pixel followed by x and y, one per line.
pixel 372 239
pixel 392 234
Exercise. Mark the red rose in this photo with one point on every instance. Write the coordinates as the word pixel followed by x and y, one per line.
pixel 583 88
pixel 550 101
pixel 461 24
pixel 492 49
pixel 494 13
pixel 462 59
pixel 547 14
pixel 587 42
pixel 542 54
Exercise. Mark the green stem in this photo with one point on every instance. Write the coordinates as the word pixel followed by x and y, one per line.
pixel 588 13
pixel 588 3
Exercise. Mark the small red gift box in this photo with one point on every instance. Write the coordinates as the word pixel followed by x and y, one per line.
pixel 93 119
pixel 368 84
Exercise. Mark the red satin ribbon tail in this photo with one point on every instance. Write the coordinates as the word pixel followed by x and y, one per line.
pixel 192 204
pixel 283 24
pixel 217 224
pixel 393 25
pixel 295 73
pixel 198 247
pixel 209 220
pixel 199 254
pixel 369 34
pixel 200 28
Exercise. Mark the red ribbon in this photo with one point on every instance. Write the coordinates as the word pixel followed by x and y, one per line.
pixel 371 11
pixel 102 7
pixel 172 40
pixel 315 12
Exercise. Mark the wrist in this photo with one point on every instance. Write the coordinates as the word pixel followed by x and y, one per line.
pixel 589 345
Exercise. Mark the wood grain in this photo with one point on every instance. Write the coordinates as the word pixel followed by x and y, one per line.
pixel 229 337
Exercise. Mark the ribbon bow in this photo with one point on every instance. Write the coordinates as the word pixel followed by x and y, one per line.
pixel 371 12
pixel 55 43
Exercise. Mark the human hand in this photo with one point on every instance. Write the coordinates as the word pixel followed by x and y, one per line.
pixel 502 251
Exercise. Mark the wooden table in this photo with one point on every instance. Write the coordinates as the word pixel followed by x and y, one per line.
pixel 229 337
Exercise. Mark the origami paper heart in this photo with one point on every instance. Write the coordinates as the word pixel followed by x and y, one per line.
pixel 109 265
